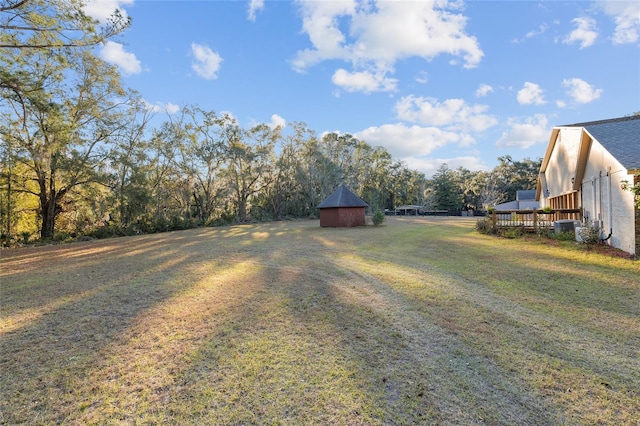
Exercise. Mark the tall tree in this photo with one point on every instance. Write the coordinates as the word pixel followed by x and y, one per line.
pixel 510 176
pixel 7 197
pixel 42 42
pixel 129 164
pixel 287 194
pixel 60 127
pixel 377 187
pixel 323 174
pixel 447 191
pixel 197 139
pixel 53 24
pixel 206 157
pixel 250 158
pixel 472 185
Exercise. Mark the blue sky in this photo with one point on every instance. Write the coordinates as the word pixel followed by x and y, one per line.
pixel 433 82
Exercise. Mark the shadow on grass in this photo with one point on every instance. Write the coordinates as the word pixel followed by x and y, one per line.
pixel 280 323
pixel 68 303
pixel 318 342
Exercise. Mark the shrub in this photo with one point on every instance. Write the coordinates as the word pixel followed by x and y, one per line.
pixel 62 237
pixel 543 232
pixel 563 236
pixel 589 235
pixel 511 232
pixel 26 236
pixel 486 226
pixel 109 231
pixel 378 218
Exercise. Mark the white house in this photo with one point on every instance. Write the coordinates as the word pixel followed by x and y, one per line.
pixel 586 166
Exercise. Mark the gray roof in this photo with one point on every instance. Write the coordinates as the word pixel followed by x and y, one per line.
pixel 342 197
pixel 526 194
pixel 619 136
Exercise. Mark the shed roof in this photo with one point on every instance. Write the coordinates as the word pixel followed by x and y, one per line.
pixel 619 136
pixel 342 197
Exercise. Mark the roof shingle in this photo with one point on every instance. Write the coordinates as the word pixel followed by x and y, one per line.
pixel 342 197
pixel 619 136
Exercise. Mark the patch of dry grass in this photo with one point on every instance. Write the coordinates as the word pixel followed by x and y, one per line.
pixel 418 321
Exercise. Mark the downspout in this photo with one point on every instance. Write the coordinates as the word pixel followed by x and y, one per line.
pixel 594 214
pixel 609 207
pixel 600 212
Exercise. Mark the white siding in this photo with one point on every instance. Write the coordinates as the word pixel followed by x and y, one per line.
pixel 604 202
pixel 563 161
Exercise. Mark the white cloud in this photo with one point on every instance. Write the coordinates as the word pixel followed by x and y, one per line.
pixel 531 34
pixel 429 166
pixel 626 15
pixel 531 93
pixel 483 90
pixel 581 91
pixel 277 121
pixel 404 142
pixel 541 30
pixel 207 62
pixel 114 53
pixel 398 30
pixel 585 33
pixel 438 125
pixel 453 114
pixel 320 23
pixel 413 144
pixel 372 35
pixel 103 9
pixel 534 130
pixel 363 81
pixel 254 6
pixel 169 108
pixel 422 77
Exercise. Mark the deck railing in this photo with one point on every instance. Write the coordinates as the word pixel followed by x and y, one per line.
pixel 533 220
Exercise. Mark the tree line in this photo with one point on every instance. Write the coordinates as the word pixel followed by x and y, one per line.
pixel 83 155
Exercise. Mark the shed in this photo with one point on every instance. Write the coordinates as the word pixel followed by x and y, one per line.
pixel 342 208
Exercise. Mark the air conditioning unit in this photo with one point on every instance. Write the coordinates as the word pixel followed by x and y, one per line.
pixel 565 225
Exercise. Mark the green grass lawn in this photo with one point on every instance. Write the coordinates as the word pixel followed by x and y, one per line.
pixel 419 321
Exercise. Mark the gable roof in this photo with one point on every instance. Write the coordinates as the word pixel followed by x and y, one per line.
pixel 342 197
pixel 619 136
